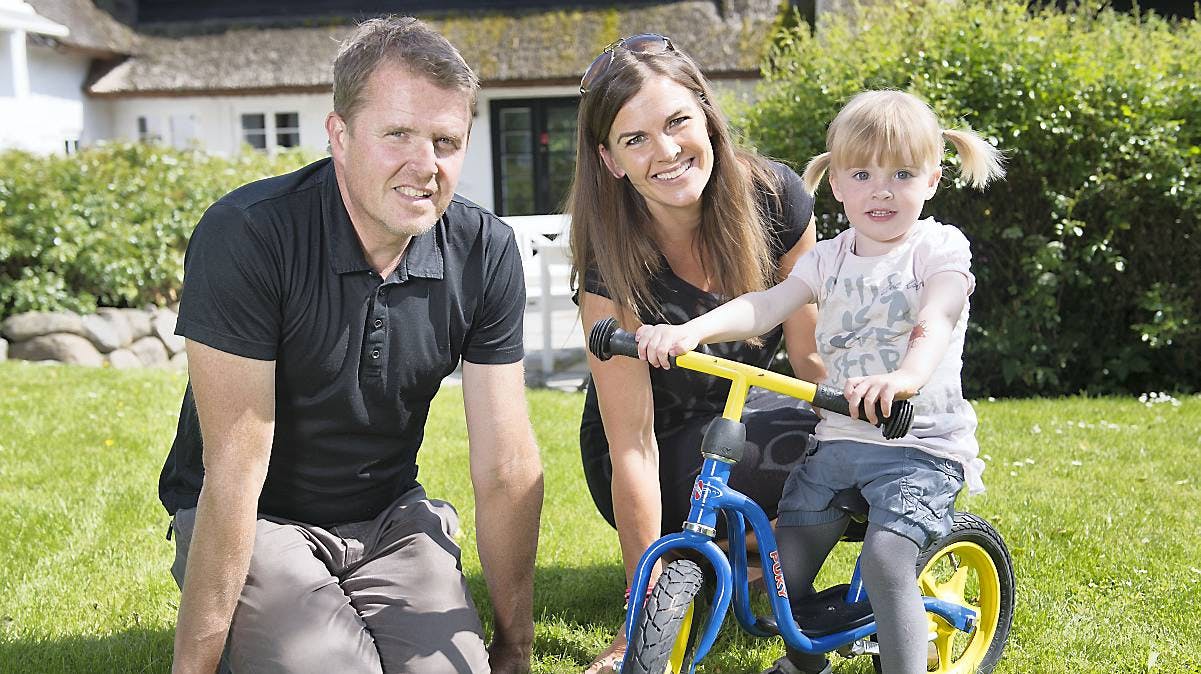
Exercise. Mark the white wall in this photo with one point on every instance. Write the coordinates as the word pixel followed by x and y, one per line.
pixel 217 125
pixel 51 111
pixel 214 122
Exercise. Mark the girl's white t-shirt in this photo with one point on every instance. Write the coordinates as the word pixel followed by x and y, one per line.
pixel 867 308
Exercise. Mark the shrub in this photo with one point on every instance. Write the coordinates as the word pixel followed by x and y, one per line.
pixel 109 225
pixel 1086 254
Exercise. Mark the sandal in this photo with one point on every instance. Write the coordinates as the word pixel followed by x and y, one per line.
pixel 608 662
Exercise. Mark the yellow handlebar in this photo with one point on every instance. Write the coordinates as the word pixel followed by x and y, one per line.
pixel 607 340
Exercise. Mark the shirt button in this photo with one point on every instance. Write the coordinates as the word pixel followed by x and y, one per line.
pixel 381 291
pixel 375 354
pixel 378 323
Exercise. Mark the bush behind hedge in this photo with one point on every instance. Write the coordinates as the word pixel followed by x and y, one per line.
pixel 109 225
pixel 1086 256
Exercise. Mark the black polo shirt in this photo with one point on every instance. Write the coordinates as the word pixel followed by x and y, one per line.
pixel 274 271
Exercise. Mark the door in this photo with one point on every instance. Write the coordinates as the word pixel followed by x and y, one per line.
pixel 533 154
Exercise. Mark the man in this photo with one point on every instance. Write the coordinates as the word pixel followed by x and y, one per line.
pixel 322 309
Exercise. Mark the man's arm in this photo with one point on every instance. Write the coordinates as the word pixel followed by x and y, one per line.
pixel 506 474
pixel 235 400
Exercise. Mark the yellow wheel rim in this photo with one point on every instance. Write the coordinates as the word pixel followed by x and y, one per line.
pixel 679 650
pixel 963 573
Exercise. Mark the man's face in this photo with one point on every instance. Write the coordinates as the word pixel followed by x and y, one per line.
pixel 399 157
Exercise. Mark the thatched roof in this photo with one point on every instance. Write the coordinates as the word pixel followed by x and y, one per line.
pixel 91 30
pixel 726 37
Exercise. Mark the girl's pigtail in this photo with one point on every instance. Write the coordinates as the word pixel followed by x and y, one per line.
pixel 814 171
pixel 980 162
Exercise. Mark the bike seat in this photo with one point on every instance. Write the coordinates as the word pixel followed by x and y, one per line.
pixel 828 612
pixel 852 503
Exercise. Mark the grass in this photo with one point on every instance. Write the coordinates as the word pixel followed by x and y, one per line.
pixel 1097 499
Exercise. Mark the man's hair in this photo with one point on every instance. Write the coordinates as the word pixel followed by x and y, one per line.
pixel 400 40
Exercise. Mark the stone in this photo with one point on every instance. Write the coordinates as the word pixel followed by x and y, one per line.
pixel 32 324
pixel 107 331
pixel 179 361
pixel 150 351
pixel 164 328
pixel 139 323
pixel 124 359
pixel 61 346
pixel 3 349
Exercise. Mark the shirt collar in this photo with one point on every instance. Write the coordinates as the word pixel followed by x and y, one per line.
pixel 423 257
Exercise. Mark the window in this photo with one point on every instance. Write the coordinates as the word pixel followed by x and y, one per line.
pixel 269 131
pixel 287 129
pixel 254 130
pixel 71 146
pixel 148 129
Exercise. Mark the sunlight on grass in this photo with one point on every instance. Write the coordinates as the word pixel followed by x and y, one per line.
pixel 1097 500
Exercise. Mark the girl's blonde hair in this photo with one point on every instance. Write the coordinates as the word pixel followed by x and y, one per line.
pixel 610 235
pixel 898 128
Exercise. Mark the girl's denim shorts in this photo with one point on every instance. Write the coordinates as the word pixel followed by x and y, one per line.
pixel 909 492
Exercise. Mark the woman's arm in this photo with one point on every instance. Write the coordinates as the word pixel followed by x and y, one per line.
pixel 623 389
pixel 799 328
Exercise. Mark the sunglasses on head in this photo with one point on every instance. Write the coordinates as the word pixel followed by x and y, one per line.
pixel 646 43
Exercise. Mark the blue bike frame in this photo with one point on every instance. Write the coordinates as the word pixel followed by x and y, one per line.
pixel 712 494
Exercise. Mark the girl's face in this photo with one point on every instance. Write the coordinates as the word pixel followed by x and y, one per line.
pixel 883 202
pixel 660 141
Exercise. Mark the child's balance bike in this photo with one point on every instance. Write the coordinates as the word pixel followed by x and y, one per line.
pixel 966 578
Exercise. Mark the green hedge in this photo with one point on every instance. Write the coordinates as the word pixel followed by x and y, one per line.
pixel 1087 255
pixel 109 225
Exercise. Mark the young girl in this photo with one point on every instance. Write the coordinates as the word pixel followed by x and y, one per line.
pixel 891 293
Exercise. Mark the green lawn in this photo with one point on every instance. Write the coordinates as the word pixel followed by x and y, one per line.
pixel 1097 499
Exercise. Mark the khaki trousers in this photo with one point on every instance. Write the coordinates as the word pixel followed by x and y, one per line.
pixel 386 595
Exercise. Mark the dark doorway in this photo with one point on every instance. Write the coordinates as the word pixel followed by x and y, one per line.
pixel 533 154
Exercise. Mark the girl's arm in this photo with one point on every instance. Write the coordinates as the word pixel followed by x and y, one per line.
pixel 942 303
pixel 743 317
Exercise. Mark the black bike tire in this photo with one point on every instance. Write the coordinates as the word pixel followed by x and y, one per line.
pixel 658 627
pixel 972 528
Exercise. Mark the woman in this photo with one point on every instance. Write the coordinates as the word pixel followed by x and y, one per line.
pixel 669 220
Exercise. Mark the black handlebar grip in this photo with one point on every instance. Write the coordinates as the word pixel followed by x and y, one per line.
pixel 894 426
pixel 607 340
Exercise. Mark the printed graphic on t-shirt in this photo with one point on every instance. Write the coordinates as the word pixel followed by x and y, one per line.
pixel 866 321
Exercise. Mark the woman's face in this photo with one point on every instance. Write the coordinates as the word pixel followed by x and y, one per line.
pixel 660 141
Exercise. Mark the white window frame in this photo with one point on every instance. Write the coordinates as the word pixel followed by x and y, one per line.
pixel 269 131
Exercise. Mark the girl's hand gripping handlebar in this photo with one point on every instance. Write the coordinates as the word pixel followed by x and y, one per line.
pixel 607 340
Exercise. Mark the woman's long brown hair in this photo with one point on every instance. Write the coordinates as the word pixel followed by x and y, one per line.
pixel 610 223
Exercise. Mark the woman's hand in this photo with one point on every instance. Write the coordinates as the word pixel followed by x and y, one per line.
pixel 882 389
pixel 658 343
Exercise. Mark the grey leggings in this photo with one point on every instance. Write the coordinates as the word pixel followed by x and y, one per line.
pixel 887 563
